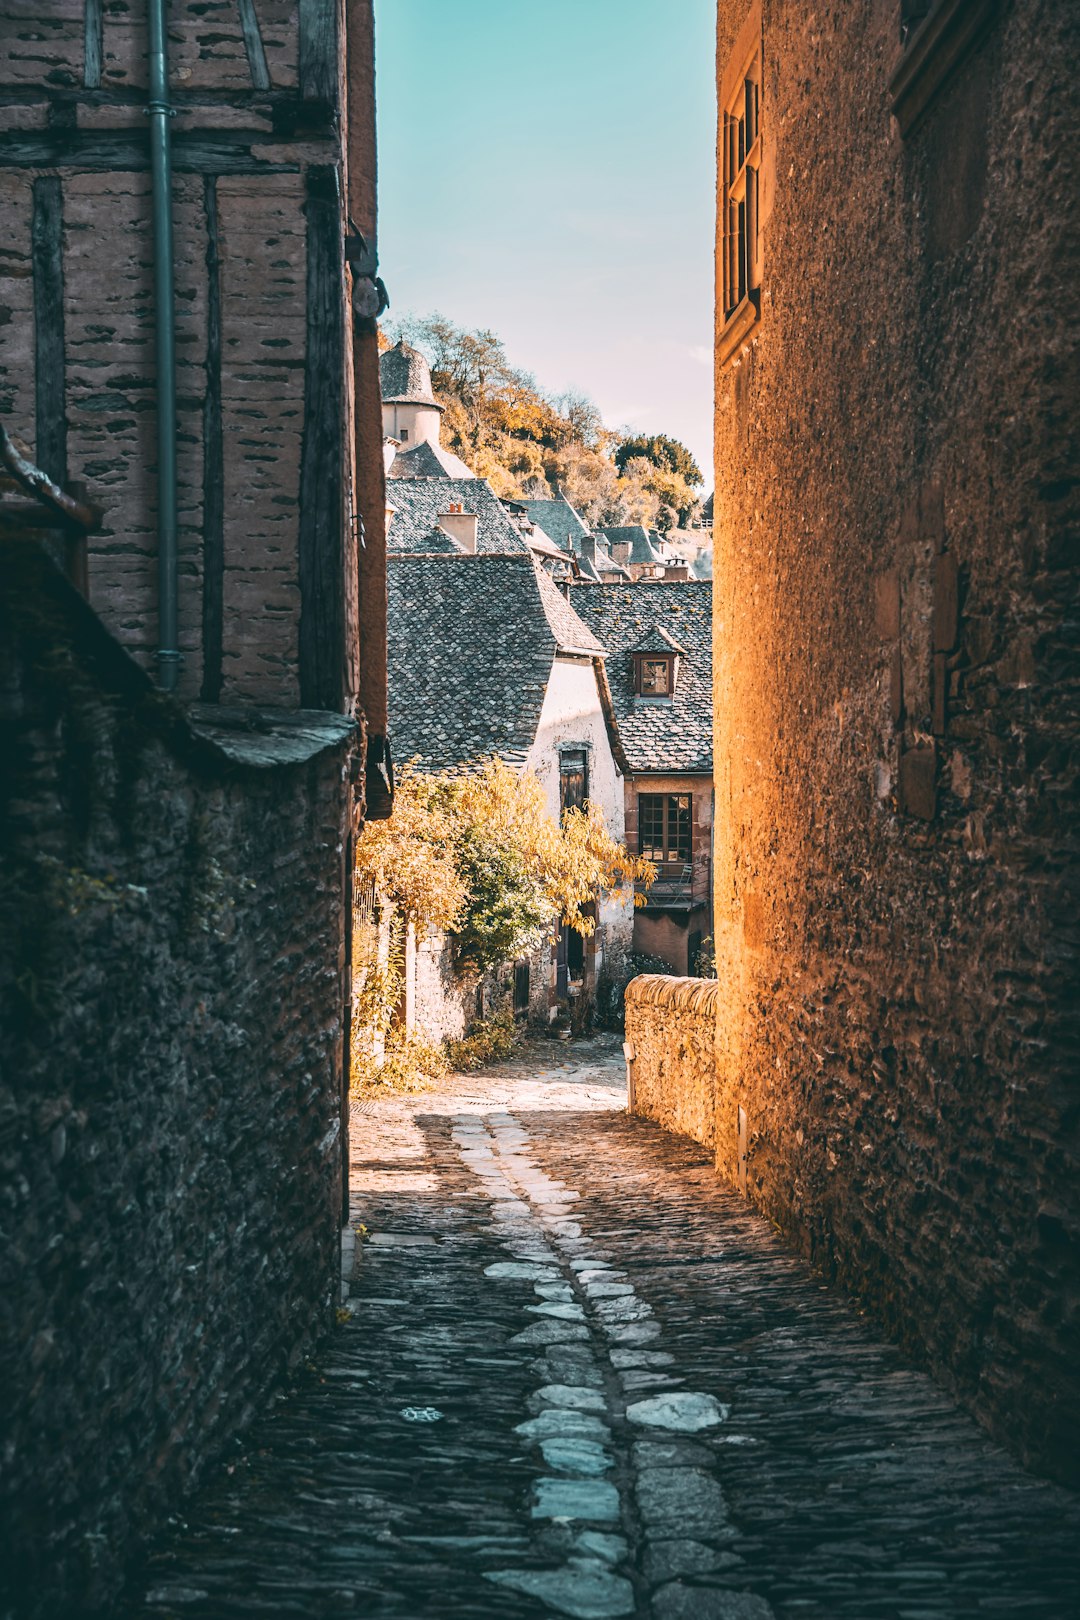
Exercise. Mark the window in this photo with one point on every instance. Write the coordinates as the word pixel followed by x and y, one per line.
pixel 573 779
pixel 664 828
pixel 403 435
pixel 740 188
pixel 654 676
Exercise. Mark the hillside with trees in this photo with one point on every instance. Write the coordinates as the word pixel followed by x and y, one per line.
pixel 525 442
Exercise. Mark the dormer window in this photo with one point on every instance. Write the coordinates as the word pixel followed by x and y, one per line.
pixel 657 657
pixel 655 675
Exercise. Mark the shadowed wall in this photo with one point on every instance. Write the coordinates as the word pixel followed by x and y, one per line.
pixel 896 690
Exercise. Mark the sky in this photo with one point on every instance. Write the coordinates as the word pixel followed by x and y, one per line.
pixel 546 171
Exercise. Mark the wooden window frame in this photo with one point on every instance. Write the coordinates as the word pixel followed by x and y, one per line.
pixel 678 860
pixel 640 660
pixel 567 772
pixel 739 257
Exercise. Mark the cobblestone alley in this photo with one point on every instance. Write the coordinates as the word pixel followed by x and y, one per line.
pixel 580 1377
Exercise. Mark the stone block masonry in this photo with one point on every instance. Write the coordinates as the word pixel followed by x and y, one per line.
pixel 172 1001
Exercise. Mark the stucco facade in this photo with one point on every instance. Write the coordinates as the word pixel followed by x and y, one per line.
pixel 572 717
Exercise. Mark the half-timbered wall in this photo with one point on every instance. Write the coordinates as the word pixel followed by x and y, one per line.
pixel 267 592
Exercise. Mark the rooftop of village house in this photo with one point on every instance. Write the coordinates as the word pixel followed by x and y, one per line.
pixel 560 521
pixel 637 537
pixel 425 460
pixel 471 644
pixel 666 734
pixel 420 503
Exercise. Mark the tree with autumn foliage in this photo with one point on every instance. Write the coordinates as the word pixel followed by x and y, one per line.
pixel 527 443
pixel 479 857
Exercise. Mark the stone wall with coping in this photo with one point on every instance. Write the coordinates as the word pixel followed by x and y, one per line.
pixel 172 1007
pixel 671 1026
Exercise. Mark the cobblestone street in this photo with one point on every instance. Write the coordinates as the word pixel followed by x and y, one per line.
pixel 581 1377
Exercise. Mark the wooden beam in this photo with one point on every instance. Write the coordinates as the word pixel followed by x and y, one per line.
pixel 213 603
pixel 319 66
pixel 253 45
pixel 47 252
pixel 92 44
pixel 224 152
pixel 322 507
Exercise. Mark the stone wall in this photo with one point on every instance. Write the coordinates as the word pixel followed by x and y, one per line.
pixel 671 1028
pixel 445 1006
pixel 172 1001
pixel 896 694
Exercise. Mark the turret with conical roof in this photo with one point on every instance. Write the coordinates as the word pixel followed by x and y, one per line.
pixel 410 410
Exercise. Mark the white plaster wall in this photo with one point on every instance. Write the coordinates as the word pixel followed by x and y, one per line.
pixel 572 716
pixel 422 423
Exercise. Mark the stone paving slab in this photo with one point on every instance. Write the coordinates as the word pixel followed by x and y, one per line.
pixel 581 1377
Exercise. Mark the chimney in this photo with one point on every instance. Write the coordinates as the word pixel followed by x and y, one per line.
pixel 460 526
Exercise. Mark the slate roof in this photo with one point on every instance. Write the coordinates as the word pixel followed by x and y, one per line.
pixel 565 623
pixel 609 568
pixel 419 501
pixel 603 565
pixel 471 644
pixel 657 735
pixel 559 521
pixel 427 460
pixel 657 640
pixel 405 377
pixel 636 536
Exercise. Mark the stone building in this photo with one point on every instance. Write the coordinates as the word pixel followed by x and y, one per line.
pixel 658 640
pixel 896 693
pixel 191 455
pixel 487 657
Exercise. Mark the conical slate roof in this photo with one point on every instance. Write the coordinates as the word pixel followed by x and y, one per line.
pixel 405 377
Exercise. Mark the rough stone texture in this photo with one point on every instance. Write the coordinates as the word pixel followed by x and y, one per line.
pixel 896 895
pixel 172 1001
pixel 446 1005
pixel 403 1474
pixel 671 1025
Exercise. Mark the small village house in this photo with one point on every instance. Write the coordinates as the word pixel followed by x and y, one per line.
pixel 658 639
pixel 487 657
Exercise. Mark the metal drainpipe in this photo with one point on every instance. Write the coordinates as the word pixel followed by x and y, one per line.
pixel 168 654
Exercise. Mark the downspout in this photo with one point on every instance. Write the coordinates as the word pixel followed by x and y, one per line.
pixel 369 495
pixel 159 110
